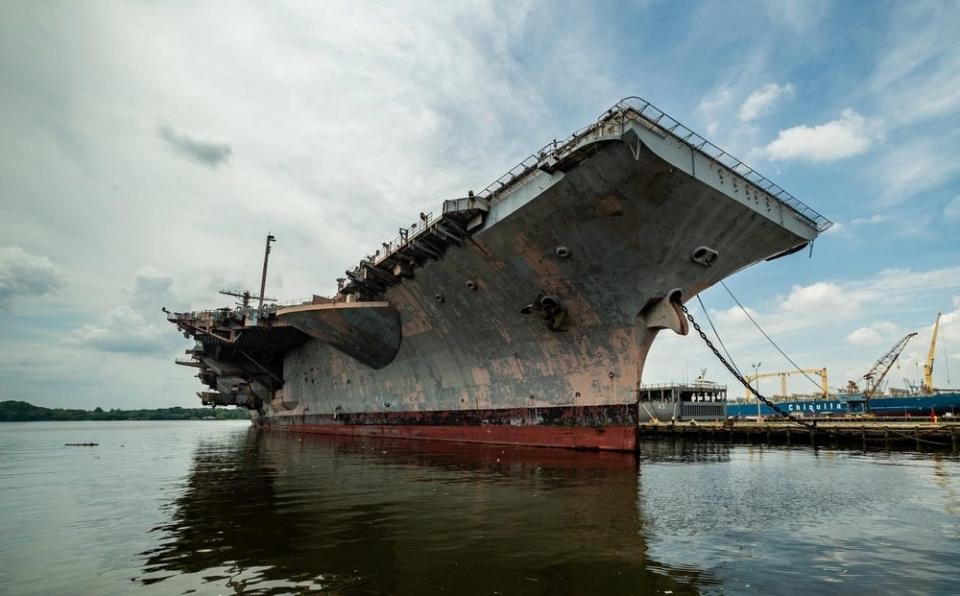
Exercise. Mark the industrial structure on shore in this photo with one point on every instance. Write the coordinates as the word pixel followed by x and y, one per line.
pixel 873 398
pixel 522 314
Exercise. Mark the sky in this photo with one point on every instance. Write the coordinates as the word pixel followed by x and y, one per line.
pixel 146 148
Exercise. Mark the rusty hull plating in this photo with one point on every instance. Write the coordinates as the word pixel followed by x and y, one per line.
pixel 522 315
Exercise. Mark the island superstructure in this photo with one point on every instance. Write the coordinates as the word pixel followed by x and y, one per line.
pixel 521 314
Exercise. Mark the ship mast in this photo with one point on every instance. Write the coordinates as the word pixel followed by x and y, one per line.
pixel 263 278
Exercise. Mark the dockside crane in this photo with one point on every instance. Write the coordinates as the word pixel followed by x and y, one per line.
pixel 909 385
pixel 927 387
pixel 820 372
pixel 874 376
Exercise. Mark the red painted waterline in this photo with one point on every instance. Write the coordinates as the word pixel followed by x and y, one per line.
pixel 606 438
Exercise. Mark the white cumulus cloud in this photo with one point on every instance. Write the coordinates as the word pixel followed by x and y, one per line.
pixel 25 274
pixel 760 101
pixel 819 298
pixel 734 317
pixel 846 136
pixel 872 334
pixel 124 330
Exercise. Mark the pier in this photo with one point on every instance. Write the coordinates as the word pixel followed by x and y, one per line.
pixel 868 435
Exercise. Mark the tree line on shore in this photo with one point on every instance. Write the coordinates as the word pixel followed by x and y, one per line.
pixel 21 411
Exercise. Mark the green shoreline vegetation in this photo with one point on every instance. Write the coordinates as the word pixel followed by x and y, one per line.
pixel 21 411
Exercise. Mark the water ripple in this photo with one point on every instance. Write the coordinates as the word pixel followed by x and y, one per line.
pixel 200 507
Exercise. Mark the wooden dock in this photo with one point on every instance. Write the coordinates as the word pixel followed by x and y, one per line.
pixel 868 435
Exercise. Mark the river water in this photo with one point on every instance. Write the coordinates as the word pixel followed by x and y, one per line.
pixel 219 508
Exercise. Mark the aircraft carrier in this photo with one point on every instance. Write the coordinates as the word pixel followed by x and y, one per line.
pixel 521 314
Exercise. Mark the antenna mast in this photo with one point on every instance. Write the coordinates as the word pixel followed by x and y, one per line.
pixel 263 278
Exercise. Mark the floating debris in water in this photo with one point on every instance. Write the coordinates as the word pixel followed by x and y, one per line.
pixel 80 444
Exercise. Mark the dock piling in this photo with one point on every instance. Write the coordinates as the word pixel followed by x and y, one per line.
pixel 835 434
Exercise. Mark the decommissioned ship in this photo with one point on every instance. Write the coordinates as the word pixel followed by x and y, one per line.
pixel 521 314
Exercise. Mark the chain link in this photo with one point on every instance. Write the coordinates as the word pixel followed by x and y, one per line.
pixel 739 377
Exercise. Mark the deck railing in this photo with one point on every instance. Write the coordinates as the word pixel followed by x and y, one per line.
pixel 415 230
pixel 628 109
pixel 639 109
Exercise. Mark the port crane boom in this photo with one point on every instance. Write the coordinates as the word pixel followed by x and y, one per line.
pixel 881 367
pixel 820 372
pixel 927 387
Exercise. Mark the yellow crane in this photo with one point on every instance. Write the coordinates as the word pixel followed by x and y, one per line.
pixel 820 372
pixel 927 387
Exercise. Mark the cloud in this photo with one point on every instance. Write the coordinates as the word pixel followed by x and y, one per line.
pixel 917 76
pixel 713 108
pixel 206 152
pixel 915 91
pixel 864 336
pixel 893 286
pixel 152 289
pixel 917 165
pixel 760 101
pixel 837 139
pixel 821 297
pixel 904 224
pixel 25 274
pixel 798 15
pixel 734 317
pixel 951 211
pixel 823 302
pixel 837 229
pixel 830 303
pixel 877 218
pixel 873 334
pixel 134 328
pixel 124 330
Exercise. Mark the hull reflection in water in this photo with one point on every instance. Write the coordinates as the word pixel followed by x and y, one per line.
pixel 280 512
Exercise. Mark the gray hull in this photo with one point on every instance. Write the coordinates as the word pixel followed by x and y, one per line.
pixel 524 314
pixel 628 214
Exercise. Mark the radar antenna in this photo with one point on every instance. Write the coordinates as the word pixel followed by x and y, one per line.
pixel 245 297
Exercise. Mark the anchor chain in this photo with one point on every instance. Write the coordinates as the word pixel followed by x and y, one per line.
pixel 739 377
pixel 812 427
